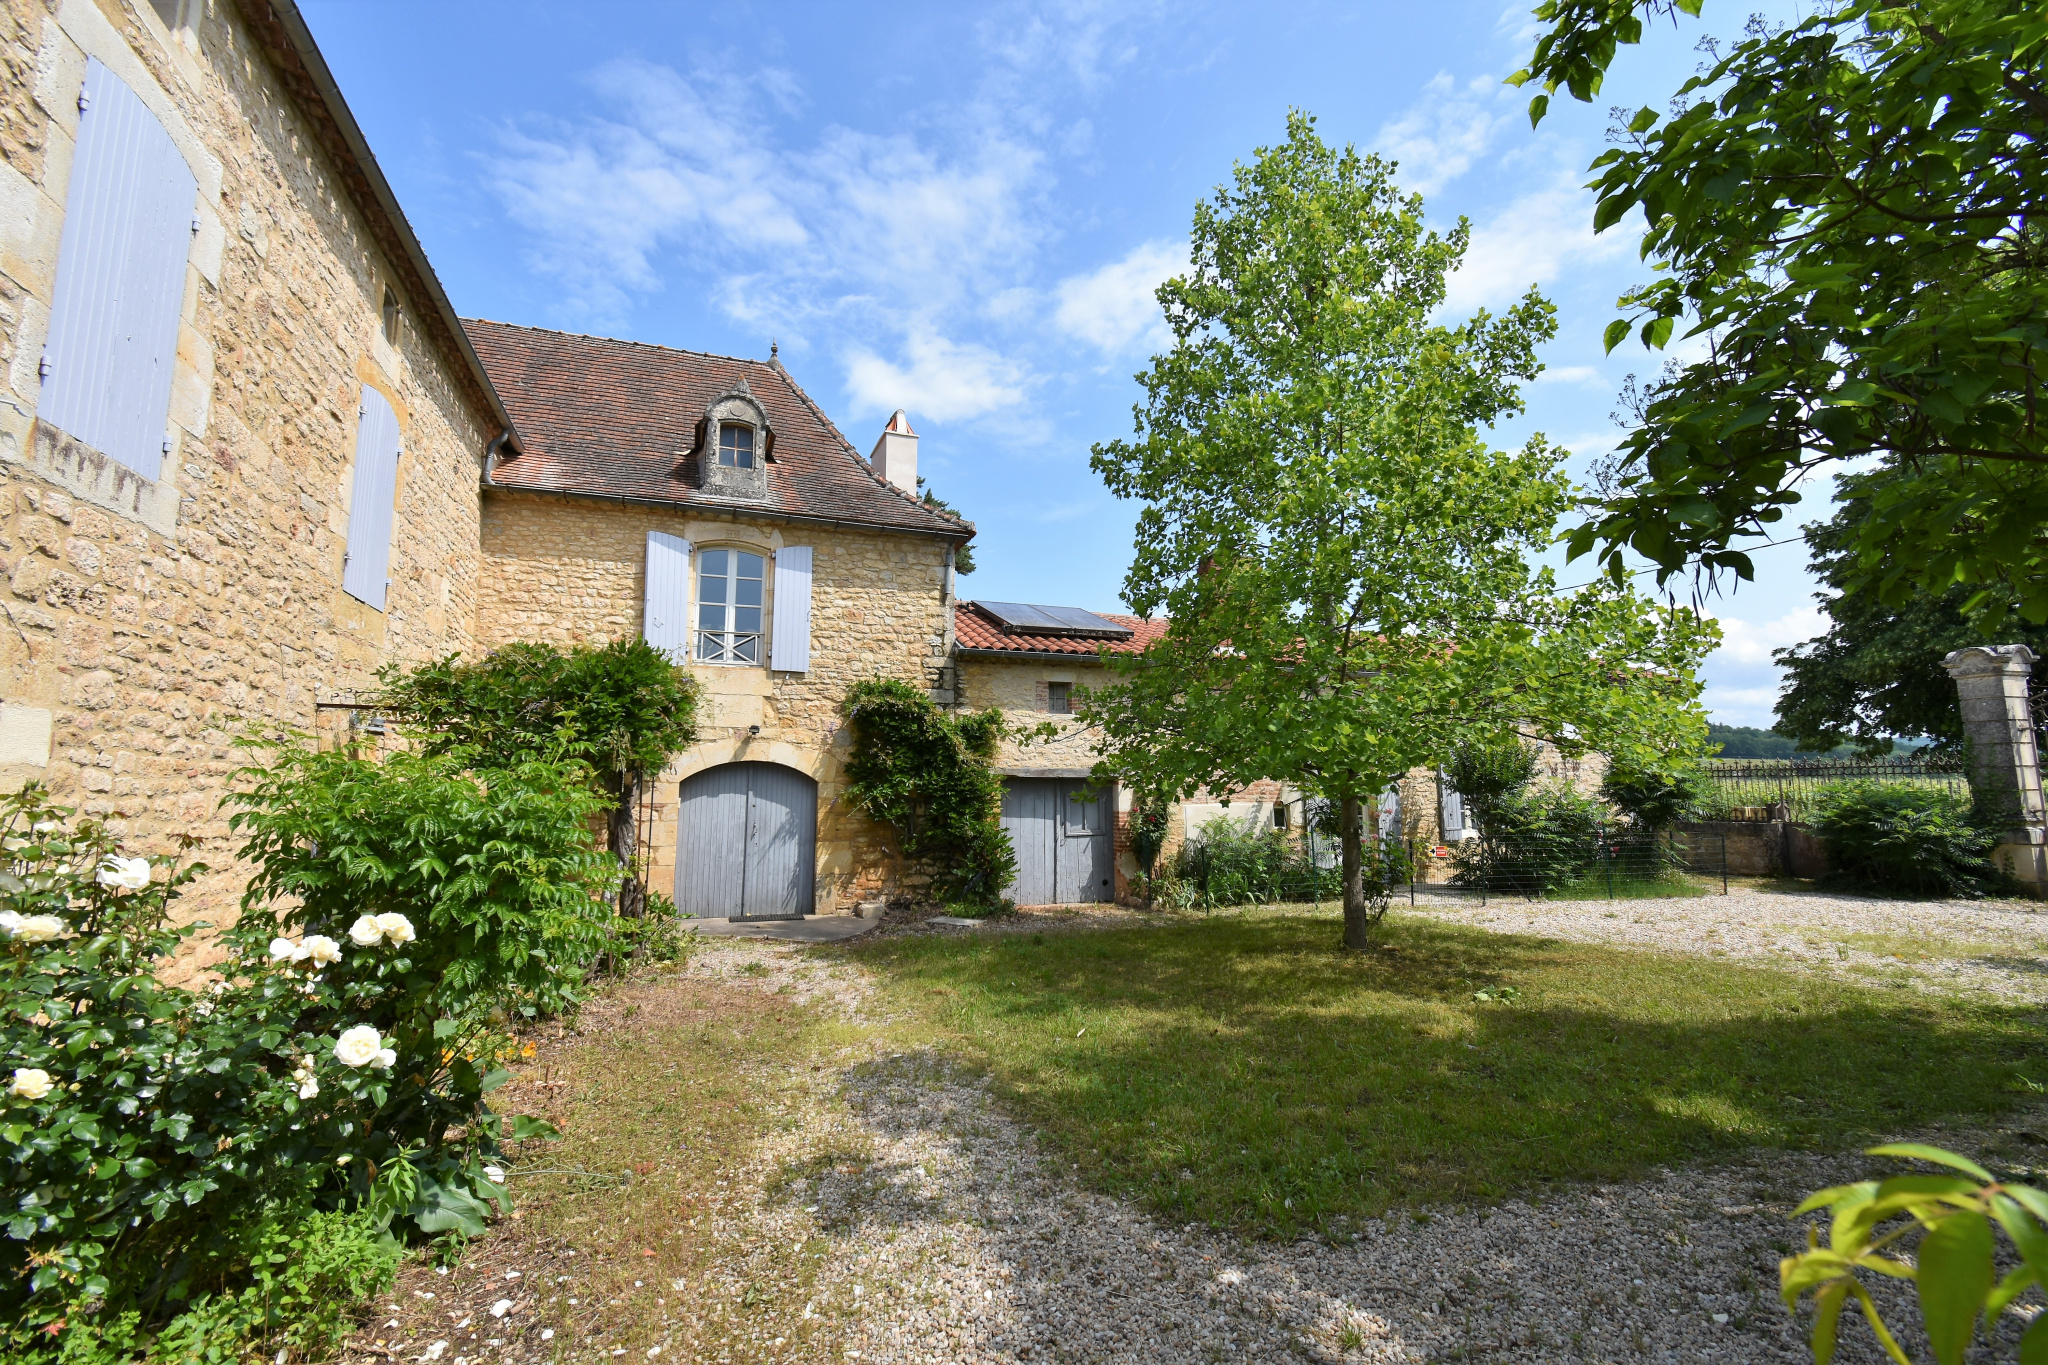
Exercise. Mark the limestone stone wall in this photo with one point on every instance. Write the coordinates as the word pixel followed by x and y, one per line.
pixel 1019 691
pixel 145 621
pixel 569 570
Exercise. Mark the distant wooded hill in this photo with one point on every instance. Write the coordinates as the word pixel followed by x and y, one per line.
pixel 1746 741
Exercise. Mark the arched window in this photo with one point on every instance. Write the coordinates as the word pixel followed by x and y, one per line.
pixel 736 446
pixel 729 601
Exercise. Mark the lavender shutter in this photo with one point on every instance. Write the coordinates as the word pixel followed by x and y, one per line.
pixel 365 574
pixel 789 647
pixel 113 337
pixel 666 622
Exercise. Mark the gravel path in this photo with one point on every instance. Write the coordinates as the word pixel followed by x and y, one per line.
pixel 898 1215
pixel 1993 947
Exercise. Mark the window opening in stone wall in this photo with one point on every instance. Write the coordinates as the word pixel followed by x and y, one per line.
pixel 392 314
pixel 1057 698
pixel 736 446
pixel 729 606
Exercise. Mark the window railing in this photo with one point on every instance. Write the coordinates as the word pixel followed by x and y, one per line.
pixel 728 647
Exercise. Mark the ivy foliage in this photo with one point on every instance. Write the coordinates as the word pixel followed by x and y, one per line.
pixel 931 776
pixel 618 708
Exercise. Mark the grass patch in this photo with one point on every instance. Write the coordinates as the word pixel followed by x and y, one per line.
pixel 1594 886
pixel 1242 1072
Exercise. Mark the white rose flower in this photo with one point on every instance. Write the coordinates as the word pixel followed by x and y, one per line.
pixel 324 951
pixel 40 929
pixel 385 1059
pixel 308 1087
pixel 365 931
pixel 358 1045
pixel 495 1174
pixel 31 1083
pixel 130 874
pixel 11 922
pixel 282 948
pixel 45 826
pixel 397 928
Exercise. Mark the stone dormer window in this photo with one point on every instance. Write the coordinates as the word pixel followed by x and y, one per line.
pixel 735 445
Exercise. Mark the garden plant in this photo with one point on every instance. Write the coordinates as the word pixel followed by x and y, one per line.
pixel 1904 839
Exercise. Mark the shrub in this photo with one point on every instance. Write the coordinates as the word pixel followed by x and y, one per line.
pixel 1904 838
pixel 1655 798
pixel 932 776
pixel 186 1166
pixel 1489 775
pixel 1532 842
pixel 620 709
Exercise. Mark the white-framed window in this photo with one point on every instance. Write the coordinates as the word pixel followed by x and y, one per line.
pixel 729 602
pixel 736 446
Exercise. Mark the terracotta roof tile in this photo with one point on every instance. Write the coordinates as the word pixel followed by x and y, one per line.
pixel 975 629
pixel 619 419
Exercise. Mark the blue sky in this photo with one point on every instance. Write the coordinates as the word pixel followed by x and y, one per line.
pixel 962 210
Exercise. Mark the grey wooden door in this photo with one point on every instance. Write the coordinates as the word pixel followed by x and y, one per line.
pixel 746 840
pixel 1065 848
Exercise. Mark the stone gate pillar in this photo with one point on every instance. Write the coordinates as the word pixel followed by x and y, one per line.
pixel 1998 722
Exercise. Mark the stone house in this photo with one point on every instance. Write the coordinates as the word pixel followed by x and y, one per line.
pixel 240 426
pixel 709 503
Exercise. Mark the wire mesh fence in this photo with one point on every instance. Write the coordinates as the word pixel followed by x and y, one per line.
pixel 1747 788
pixel 1223 872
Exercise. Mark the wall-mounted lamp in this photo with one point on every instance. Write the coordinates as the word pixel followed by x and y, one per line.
pixel 753 729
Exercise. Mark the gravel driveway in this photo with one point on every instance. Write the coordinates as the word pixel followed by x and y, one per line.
pixel 1994 947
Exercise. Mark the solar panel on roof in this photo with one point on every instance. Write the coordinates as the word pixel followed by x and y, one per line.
pixel 1024 618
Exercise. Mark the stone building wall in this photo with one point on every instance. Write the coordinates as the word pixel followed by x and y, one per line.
pixel 573 570
pixel 146 623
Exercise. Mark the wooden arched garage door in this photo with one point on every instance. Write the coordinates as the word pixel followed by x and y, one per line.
pixel 746 842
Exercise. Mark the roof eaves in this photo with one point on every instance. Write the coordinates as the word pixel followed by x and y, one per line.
pixel 289 44
pixel 853 454
pixel 736 510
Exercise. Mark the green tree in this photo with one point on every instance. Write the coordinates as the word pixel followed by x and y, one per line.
pixel 1877 671
pixel 963 554
pixel 1343 557
pixel 1846 213
pixel 621 708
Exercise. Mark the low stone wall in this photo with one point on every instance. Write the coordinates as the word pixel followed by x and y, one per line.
pixel 1755 848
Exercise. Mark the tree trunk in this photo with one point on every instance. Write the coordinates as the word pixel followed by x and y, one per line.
pixel 1350 839
pixel 623 835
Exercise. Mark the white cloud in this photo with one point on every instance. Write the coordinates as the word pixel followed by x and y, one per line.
pixel 1113 308
pixel 1437 138
pixel 1751 642
pixel 1534 240
pixel 1741 705
pixel 1588 375
pixel 942 380
pixel 882 237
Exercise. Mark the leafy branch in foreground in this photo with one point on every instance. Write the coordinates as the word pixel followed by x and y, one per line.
pixel 1952 1267
pixel 1846 213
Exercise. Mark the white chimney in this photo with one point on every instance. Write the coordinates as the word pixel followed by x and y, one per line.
pixel 895 455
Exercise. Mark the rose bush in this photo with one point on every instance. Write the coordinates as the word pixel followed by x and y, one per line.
pixel 328 1084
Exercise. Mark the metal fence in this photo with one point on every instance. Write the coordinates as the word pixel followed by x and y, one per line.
pixel 1613 864
pixel 1746 788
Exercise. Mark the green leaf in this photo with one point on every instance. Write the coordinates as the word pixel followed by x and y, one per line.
pixel 1827 1313
pixel 2034 1345
pixel 1955 1278
pixel 1645 119
pixel 445 1028
pixel 1656 332
pixel 1617 330
pixel 1920 1151
pixel 526 1127
pixel 448 1208
pixel 492 1080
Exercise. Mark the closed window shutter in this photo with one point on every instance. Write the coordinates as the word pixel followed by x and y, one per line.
pixel 113 337
pixel 1452 816
pixel 667 622
pixel 789 647
pixel 366 574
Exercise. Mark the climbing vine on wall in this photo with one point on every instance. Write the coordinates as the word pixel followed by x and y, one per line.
pixel 932 776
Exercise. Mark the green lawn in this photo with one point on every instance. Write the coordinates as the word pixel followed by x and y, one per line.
pixel 1242 1072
